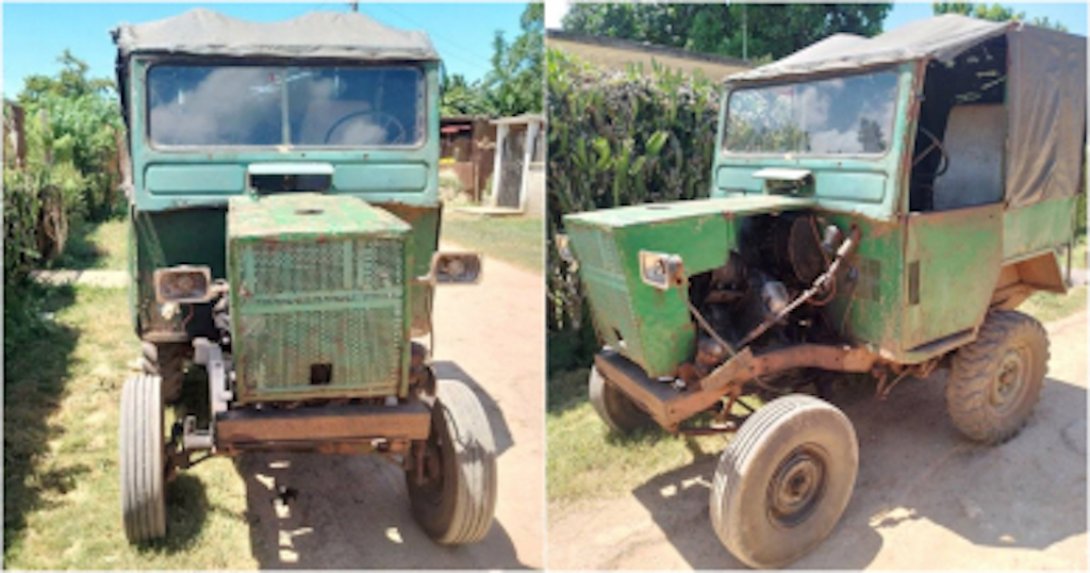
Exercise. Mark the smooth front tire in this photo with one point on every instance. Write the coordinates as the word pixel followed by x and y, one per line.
pixel 143 470
pixel 457 499
pixel 995 381
pixel 784 481
pixel 619 412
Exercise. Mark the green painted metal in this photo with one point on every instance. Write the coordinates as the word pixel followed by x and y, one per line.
pixel 958 254
pixel 172 178
pixel 165 239
pixel 1034 228
pixel 648 326
pixel 317 281
pixel 914 281
pixel 180 207
pixel 864 185
pixel 867 308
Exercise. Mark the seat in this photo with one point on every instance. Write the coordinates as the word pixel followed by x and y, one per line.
pixel 975 142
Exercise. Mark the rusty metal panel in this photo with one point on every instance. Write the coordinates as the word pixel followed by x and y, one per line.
pixel 319 303
pixel 959 254
pixel 328 423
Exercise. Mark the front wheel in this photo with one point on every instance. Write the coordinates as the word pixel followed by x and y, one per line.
pixel 995 381
pixel 143 468
pixel 784 481
pixel 456 499
pixel 619 412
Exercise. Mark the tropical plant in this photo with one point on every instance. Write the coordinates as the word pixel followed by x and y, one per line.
pixel 616 139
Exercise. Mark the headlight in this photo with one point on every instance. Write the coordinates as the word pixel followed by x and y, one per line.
pixel 661 270
pixel 183 284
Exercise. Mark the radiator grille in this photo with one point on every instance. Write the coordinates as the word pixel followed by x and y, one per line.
pixel 332 304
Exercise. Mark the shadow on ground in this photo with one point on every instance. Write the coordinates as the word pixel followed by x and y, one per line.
pixel 37 364
pixel 352 512
pixel 1028 493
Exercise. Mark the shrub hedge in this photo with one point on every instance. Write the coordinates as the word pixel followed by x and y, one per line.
pixel 616 139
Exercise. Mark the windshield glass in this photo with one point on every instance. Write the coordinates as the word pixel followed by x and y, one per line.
pixel 275 105
pixel 848 115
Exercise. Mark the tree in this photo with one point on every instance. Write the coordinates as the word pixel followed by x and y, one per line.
pixel 754 31
pixel 514 86
pixel 993 12
pixel 70 82
pixel 459 97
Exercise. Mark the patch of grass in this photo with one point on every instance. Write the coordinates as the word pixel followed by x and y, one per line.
pixel 96 246
pixel 1047 306
pixel 62 493
pixel 586 460
pixel 515 239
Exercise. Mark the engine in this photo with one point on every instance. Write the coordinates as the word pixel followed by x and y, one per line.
pixel 748 300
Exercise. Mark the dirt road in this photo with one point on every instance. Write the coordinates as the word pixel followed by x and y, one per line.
pixel 353 512
pixel 925 497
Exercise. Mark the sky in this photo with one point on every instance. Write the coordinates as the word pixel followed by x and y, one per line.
pixel 35 34
pixel 1072 15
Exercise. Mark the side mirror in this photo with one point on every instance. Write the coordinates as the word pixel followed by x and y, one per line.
pixel 661 270
pixel 183 284
pixel 454 268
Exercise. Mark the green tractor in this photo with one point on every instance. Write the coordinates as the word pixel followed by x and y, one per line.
pixel 878 206
pixel 284 225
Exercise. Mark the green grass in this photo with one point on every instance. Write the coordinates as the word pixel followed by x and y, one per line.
pixel 96 246
pixel 514 239
pixel 1046 306
pixel 587 461
pixel 61 502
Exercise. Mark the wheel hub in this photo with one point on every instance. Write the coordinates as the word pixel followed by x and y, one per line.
pixel 797 486
pixel 1010 381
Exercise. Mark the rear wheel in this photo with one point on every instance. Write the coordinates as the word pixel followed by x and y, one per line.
pixel 618 411
pixel 456 500
pixel 143 468
pixel 996 380
pixel 784 481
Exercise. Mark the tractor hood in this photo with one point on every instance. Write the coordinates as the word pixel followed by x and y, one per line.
pixel 689 211
pixel 631 315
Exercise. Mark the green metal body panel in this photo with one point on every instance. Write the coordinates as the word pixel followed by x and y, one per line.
pixel 654 325
pixel 867 185
pixel 958 255
pixel 179 212
pixel 317 282
pixel 173 177
pixel 915 279
pixel 1039 227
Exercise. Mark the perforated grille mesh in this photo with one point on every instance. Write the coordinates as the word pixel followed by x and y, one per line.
pixel 335 302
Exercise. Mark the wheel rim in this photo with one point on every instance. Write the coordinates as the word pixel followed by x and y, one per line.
pixel 1009 384
pixel 432 488
pixel 797 486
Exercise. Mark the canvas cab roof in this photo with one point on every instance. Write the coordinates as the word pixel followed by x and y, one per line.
pixel 203 32
pixel 941 37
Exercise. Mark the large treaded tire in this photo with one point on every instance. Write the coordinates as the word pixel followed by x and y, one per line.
pixel 460 511
pixel 791 438
pixel 143 509
pixel 167 361
pixel 995 381
pixel 618 411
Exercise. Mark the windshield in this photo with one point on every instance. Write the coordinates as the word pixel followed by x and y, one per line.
pixel 276 105
pixel 848 115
